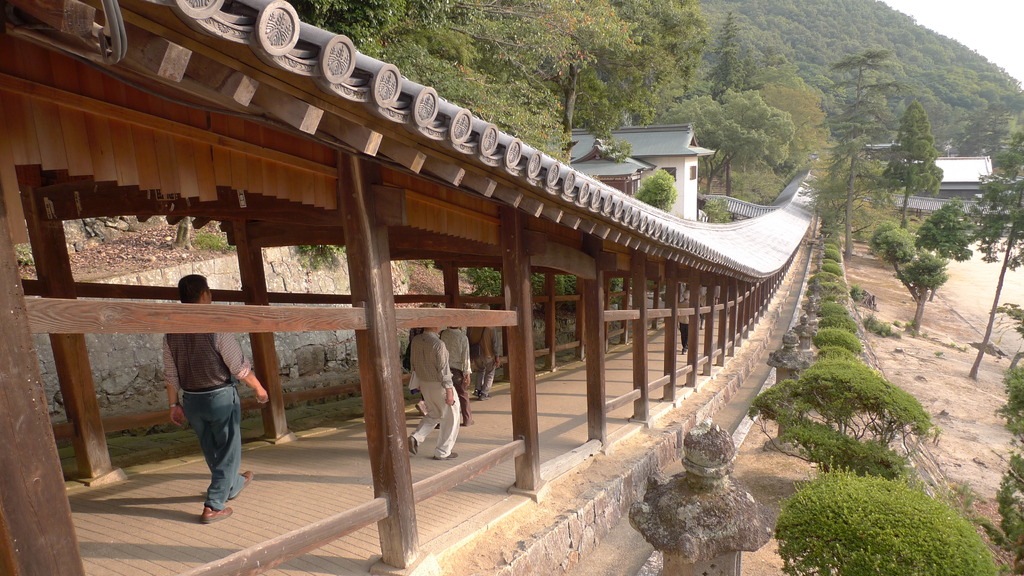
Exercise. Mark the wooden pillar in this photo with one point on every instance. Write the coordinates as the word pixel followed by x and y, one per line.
pixel 264 353
pixel 518 297
pixel 656 301
pixel 638 281
pixel 37 537
pixel 70 355
pixel 708 347
pixel 550 322
pixel 693 335
pixel 723 319
pixel 450 276
pixel 581 324
pixel 380 374
pixel 671 330
pixel 627 304
pixel 734 314
pixel 595 339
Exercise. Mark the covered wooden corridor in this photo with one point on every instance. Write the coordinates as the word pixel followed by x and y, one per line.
pixel 238 113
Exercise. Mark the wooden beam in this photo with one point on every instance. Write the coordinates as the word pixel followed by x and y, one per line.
pixel 479 184
pixel 264 353
pixel 161 57
pixel 565 259
pixel 550 322
pixel 67 16
pixel 37 535
pixel 233 86
pixel 390 206
pixel 638 282
pixel 516 279
pixel 380 378
pixel 59 316
pixel 407 156
pixel 448 171
pixel 693 334
pixel 709 324
pixel 360 138
pixel 297 113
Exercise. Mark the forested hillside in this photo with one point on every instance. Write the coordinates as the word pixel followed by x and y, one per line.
pixel 955 84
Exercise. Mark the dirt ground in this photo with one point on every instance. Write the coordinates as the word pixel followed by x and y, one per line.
pixel 972 446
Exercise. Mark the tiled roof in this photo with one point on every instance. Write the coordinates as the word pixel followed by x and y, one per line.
pixel 646 141
pixel 610 168
pixel 964 169
pixel 751 249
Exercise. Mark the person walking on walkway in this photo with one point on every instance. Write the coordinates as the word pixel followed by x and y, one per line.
pixel 429 359
pixel 485 357
pixel 458 360
pixel 204 367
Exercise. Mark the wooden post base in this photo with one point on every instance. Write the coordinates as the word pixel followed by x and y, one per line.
pixel 426 566
pixel 115 475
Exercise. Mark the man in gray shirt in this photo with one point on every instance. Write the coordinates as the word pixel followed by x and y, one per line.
pixel 429 360
pixel 458 360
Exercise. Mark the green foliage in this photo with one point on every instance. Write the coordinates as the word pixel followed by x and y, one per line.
pixel 208 241
pixel 832 268
pixel 1013 410
pixel 319 257
pixel 717 211
pixel 948 232
pixel 732 69
pixel 876 326
pixel 838 337
pixel 833 291
pixel 841 322
pixel 893 244
pixel 912 163
pixel 835 353
pixel 833 309
pixel 832 253
pixel 485 281
pixel 857 293
pixel 829 261
pixel 23 253
pixel 841 524
pixel 823 277
pixel 658 190
pixel 920 271
pixel 842 414
pixel 741 129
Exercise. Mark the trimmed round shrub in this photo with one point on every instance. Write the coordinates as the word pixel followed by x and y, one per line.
pixel 829 261
pixel 876 326
pixel 833 309
pixel 823 277
pixel 835 353
pixel 833 253
pixel 834 291
pixel 838 337
pixel 834 242
pixel 841 322
pixel 832 268
pixel 847 525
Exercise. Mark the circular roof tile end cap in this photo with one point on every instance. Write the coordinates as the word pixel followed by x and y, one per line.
pixel 198 9
pixel 534 166
pixel 489 140
pixel 513 154
pixel 338 60
pixel 277 28
pixel 584 193
pixel 554 173
pixel 425 107
pixel 387 86
pixel 568 182
pixel 460 128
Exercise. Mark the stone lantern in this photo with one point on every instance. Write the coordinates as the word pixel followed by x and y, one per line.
pixel 805 331
pixel 789 361
pixel 702 520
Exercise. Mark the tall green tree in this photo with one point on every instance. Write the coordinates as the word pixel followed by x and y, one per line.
pixel 741 129
pixel 863 118
pixel 921 272
pixel 912 165
pixel 1001 225
pixel 986 131
pixel 948 231
pixel 731 69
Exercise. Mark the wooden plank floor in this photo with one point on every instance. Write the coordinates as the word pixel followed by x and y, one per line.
pixel 148 524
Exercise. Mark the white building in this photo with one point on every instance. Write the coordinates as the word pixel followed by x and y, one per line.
pixel 672 148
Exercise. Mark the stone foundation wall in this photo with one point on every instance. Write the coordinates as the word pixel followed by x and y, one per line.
pixel 128 369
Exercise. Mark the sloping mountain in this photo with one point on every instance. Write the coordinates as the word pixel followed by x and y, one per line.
pixel 953 82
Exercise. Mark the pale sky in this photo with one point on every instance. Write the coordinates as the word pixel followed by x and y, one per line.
pixel 989 27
